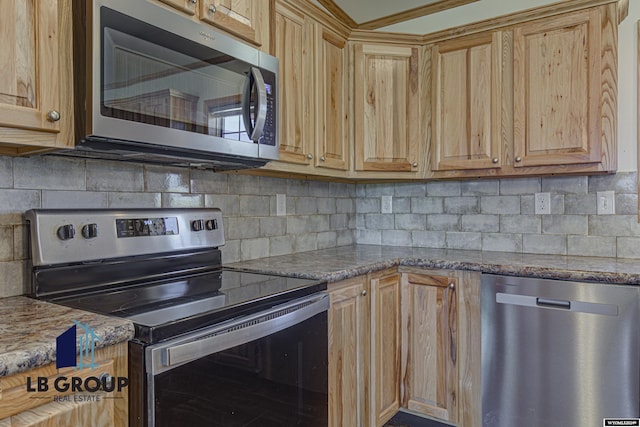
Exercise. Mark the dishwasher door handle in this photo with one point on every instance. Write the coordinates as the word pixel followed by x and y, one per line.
pixel 550 303
pixel 554 303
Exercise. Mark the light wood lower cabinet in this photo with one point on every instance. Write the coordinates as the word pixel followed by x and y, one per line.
pixel 364 350
pixel 349 353
pixel 430 344
pixel 407 338
pixel 441 344
pixel 65 413
pixel 18 407
pixel 385 346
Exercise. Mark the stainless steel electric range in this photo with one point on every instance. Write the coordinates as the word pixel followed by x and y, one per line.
pixel 213 346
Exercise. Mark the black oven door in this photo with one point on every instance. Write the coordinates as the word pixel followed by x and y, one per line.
pixel 267 369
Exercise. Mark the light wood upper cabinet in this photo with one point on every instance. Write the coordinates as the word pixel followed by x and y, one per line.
pixel 313 101
pixel 248 20
pixel 294 50
pixel 385 347
pixel 332 109
pixel 348 353
pixel 558 87
pixel 35 76
pixel 466 104
pixel 544 104
pixel 387 108
pixel 187 6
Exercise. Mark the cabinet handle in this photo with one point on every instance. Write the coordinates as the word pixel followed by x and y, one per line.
pixel 212 8
pixel 415 164
pixel 363 293
pixel 106 379
pixel 53 116
pixel 322 159
pixel 494 160
pixel 309 156
pixel 452 286
pixel 518 159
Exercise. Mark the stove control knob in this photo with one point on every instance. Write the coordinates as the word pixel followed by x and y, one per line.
pixel 197 225
pixel 66 232
pixel 90 231
pixel 212 224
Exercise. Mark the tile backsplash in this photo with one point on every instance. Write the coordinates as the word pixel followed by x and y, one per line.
pixel 492 215
pixel 318 214
pixel 499 215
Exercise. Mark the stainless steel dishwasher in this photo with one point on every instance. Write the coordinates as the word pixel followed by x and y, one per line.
pixel 558 353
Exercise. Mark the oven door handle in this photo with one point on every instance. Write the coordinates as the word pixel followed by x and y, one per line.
pixel 244 330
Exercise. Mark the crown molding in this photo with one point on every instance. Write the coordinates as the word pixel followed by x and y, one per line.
pixel 417 12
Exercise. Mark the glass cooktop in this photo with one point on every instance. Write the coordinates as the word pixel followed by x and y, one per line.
pixel 166 308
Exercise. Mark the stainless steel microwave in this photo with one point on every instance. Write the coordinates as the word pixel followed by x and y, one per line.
pixel 154 86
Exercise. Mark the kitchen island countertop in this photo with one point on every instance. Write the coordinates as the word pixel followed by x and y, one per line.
pixel 29 329
pixel 344 262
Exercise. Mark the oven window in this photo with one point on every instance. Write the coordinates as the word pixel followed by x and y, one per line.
pixel 279 380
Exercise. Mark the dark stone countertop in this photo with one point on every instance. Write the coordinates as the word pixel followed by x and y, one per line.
pixel 344 262
pixel 29 329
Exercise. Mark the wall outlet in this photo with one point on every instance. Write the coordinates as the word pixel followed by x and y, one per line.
pixel 606 202
pixel 387 204
pixel 281 204
pixel 543 203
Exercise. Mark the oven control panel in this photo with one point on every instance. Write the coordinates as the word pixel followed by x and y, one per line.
pixel 68 236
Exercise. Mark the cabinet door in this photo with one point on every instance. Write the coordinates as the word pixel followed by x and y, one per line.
pixel 242 18
pixel 35 74
pixel 385 348
pixel 430 345
pixel 466 103
pixel 348 353
pixel 557 88
pixel 293 48
pixel 186 6
pixel 19 407
pixel 332 125
pixel 97 413
pixel 387 108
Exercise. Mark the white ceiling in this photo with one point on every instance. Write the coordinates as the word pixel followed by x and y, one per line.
pixel 366 10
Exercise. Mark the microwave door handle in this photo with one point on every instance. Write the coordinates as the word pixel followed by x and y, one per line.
pixel 254 130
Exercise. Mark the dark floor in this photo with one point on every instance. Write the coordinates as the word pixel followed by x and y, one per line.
pixel 402 419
